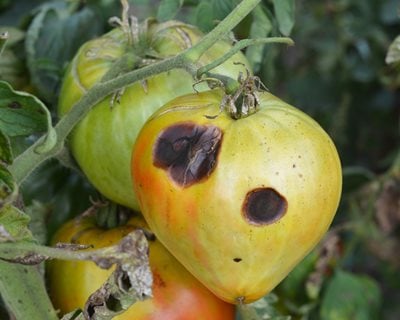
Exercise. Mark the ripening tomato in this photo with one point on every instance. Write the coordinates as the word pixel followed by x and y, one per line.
pixel 102 142
pixel 177 295
pixel 238 202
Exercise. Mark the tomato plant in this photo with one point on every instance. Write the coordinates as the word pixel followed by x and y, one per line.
pixel 247 197
pixel 342 71
pixel 101 143
pixel 176 293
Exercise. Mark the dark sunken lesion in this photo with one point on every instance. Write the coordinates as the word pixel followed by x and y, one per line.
pixel 264 206
pixel 188 152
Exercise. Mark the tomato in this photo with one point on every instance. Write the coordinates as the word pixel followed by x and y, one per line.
pixel 176 293
pixel 238 202
pixel 102 142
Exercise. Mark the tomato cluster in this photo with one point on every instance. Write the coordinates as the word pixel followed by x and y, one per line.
pixel 238 188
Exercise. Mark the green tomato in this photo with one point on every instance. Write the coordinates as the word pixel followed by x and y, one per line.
pixel 103 140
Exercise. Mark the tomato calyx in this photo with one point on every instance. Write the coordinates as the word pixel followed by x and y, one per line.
pixel 245 100
pixel 141 38
pixel 108 214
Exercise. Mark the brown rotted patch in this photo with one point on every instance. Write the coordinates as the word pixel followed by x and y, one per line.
pixel 264 206
pixel 188 152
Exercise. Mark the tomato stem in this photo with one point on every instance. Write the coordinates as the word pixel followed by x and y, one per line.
pixel 239 46
pixel 30 253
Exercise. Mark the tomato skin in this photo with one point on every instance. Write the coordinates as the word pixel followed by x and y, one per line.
pixel 103 140
pixel 177 295
pixel 278 156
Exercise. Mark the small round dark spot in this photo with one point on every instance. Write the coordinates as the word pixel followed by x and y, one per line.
pixel 237 259
pixel 188 152
pixel 264 206
pixel 293 166
pixel 14 105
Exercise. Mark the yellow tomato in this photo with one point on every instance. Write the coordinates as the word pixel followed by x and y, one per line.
pixel 238 202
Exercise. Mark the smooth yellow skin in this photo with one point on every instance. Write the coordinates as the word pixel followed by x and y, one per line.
pixel 102 142
pixel 203 226
pixel 177 295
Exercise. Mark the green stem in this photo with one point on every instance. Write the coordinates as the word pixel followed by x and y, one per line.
pixel 18 284
pixel 239 46
pixel 31 253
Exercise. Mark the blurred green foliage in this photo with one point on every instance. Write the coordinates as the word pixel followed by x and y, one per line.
pixel 336 72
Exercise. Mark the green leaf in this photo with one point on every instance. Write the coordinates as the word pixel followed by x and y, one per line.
pixel 22 114
pixel 38 213
pixel 262 309
pixel 23 291
pixel 53 38
pixel 204 16
pixel 221 8
pixel 168 9
pixel 12 68
pixel 14 225
pixel 350 296
pixel 293 286
pixel 8 188
pixel 393 54
pixel 5 149
pixel 285 12
pixel 261 27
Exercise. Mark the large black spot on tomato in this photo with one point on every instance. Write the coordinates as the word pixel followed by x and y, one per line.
pixel 187 151
pixel 264 206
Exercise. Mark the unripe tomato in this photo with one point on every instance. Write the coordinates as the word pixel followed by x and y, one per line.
pixel 102 142
pixel 177 295
pixel 238 202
